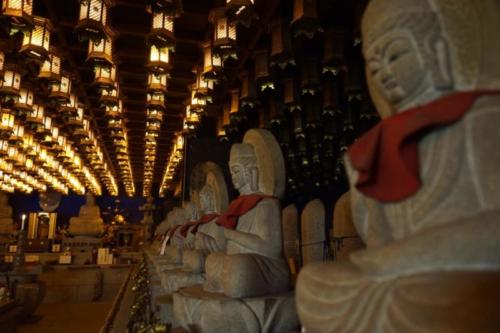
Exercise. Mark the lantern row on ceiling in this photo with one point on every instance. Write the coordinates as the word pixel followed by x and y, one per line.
pixel 174 161
pixel 93 26
pixel 36 152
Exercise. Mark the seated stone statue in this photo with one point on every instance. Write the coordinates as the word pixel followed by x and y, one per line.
pixel 425 186
pixel 246 282
pixel 6 221
pixel 89 221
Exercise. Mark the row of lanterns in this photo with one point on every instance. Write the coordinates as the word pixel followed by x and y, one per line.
pixel 93 27
pixel 174 160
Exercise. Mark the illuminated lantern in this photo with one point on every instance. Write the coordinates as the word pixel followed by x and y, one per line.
pixel 2 61
pixel 20 13
pixel 4 146
pixel 105 76
pixel 115 123
pixel 281 44
pixel 36 42
pixel 93 19
pixel 101 50
pixel 11 83
pixel 152 126
pixel 223 122
pixel 25 102
pixel 114 110
pixel 51 68
pixel 212 64
pixel 35 117
pixel 192 119
pixel 60 91
pixel 197 105
pixel 263 75
pixel 157 82
pixel 159 60
pixel 234 111
pixel 6 123
pixel 305 19
pixel 162 30
pixel 71 107
pixel 203 88
pixel 156 101
pixel 154 115
pixel 241 10
pixel 110 95
pixel 224 34
pixel 75 121
pixel 17 135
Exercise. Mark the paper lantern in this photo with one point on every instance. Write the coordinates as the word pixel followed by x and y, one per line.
pixel 93 19
pixel 157 82
pixel 104 75
pixel 101 50
pixel 51 68
pixel 156 101
pixel 60 91
pixel 224 43
pixel 20 13
pixel 162 30
pixel 159 60
pixel 11 84
pixel 36 42
pixel 212 64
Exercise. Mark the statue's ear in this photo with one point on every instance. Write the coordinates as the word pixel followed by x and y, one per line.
pixel 442 74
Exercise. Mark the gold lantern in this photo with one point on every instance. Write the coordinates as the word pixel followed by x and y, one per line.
pixel 203 88
pixel 114 110
pixel 4 146
pixel 305 19
pixel 51 68
pixel 162 30
pixel 101 50
pixel 154 115
pixel 93 19
pixel 197 104
pixel 60 91
pixel 20 13
pixel 156 101
pixel 25 102
pixel 212 64
pixel 110 95
pixel 36 42
pixel 192 119
pixel 159 60
pixel 35 117
pixel 104 75
pixel 71 107
pixel 224 34
pixel 11 83
pixel 6 123
pixel 157 82
pixel 241 11
pixel 16 137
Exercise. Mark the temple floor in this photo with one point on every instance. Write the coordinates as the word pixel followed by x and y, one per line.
pixel 68 317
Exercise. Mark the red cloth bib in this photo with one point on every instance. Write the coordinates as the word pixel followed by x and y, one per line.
pixel 203 220
pixel 239 206
pixel 173 230
pixel 185 227
pixel 386 157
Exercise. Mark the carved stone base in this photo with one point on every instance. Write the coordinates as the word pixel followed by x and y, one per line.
pixel 204 312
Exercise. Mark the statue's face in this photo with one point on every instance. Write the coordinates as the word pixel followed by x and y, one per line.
pixel 395 67
pixel 238 174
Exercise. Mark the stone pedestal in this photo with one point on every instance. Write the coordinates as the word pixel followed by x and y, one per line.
pixel 204 312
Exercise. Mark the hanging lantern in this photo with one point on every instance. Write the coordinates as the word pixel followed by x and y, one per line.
pixel 212 64
pixel 4 147
pixel 170 7
pixel 192 119
pixel 333 58
pixel 114 110
pixel 235 115
pixel 36 41
pixel 154 115
pixel 162 30
pixel 156 101
pixel 11 83
pixel 110 95
pixel 6 123
pixel 2 61
pixel 51 68
pixel 70 108
pixel 203 88
pixel 20 13
pixel 101 50
pixel 152 126
pixel 24 104
pixel 60 90
pixel 157 82
pixel 242 11
pixel 159 60
pixel 115 123
pixel 310 82
pixel 223 122
pixel 281 44
pixel 75 121
pixel 224 34
pixel 16 137
pixel 104 75
pixel 305 19
pixel 93 19
pixel 35 117
pixel 248 95
pixel 263 76
pixel 197 105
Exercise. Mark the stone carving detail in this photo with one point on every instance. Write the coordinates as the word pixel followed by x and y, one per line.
pixel 313 232
pixel 432 256
pixel 89 221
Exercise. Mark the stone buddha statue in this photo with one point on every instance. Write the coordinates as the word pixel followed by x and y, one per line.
pixel 425 187
pixel 249 272
pixel 89 221
pixel 6 221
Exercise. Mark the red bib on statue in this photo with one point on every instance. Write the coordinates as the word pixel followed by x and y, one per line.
pixel 238 207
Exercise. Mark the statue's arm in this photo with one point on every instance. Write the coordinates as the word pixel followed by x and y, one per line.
pixel 472 242
pixel 266 233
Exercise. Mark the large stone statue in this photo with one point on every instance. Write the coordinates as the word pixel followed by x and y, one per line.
pixel 425 186
pixel 6 222
pixel 246 283
pixel 89 221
